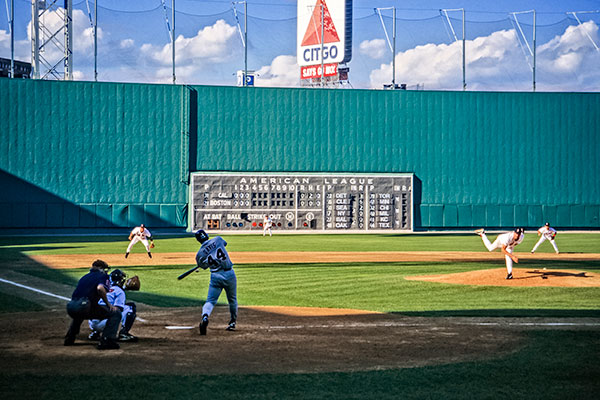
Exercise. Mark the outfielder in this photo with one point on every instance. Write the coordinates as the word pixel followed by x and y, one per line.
pixel 267 224
pixel 506 242
pixel 140 234
pixel 212 255
pixel 116 297
pixel 546 232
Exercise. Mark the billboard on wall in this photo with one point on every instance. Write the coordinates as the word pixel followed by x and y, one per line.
pixel 324 26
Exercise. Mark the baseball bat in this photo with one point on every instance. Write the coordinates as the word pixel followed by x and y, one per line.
pixel 186 273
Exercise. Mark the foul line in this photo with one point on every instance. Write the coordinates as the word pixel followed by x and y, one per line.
pixel 47 293
pixel 409 324
pixel 34 289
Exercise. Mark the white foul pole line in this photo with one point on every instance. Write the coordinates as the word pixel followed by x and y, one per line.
pixel 45 293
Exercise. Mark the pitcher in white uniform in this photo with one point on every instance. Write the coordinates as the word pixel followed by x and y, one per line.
pixel 546 232
pixel 140 234
pixel 506 242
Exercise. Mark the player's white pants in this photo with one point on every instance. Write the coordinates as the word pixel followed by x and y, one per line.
pixel 220 280
pixel 265 231
pixel 137 239
pixel 99 324
pixel 542 238
pixel 496 245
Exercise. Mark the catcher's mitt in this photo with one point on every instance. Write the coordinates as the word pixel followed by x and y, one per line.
pixel 152 245
pixel 132 283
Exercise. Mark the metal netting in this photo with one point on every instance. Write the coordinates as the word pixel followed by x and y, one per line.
pixel 134 45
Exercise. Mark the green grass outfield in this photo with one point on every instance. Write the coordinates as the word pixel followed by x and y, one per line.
pixel 567 242
pixel 554 364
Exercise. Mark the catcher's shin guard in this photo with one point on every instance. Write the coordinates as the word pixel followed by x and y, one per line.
pixel 129 318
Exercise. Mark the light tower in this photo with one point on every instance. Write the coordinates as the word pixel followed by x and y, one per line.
pixel 48 36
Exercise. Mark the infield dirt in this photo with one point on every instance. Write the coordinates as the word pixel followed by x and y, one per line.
pixel 494 277
pixel 268 340
pixel 278 339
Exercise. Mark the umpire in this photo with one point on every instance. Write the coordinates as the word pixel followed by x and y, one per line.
pixel 84 305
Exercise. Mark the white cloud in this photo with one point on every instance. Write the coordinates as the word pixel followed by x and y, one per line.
pixel 126 43
pixel 283 72
pixel 375 48
pixel 22 47
pixel 496 62
pixel 83 33
pixel 212 44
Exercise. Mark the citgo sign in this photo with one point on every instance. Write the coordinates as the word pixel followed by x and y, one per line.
pixel 331 19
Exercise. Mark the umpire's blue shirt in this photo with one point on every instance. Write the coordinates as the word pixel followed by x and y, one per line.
pixel 88 284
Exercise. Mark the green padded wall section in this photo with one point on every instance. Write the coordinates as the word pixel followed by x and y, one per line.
pixel 84 154
pixel 99 155
pixel 483 158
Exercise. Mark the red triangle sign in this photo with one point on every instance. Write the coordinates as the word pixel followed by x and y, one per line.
pixel 313 31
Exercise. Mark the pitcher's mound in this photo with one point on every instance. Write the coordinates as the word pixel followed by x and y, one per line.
pixel 521 277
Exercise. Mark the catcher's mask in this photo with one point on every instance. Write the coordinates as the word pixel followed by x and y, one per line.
pixel 117 277
pixel 201 236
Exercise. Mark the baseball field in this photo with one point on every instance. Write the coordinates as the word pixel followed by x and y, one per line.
pixel 321 316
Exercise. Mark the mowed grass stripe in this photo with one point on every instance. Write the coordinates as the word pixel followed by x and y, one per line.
pixel 567 242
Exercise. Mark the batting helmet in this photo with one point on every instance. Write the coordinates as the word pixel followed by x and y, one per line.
pixel 117 277
pixel 201 236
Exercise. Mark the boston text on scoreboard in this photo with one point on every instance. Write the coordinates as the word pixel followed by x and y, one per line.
pixel 301 202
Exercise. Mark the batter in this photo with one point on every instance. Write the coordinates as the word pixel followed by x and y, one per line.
pixel 212 255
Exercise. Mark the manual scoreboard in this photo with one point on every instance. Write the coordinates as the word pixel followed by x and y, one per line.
pixel 302 202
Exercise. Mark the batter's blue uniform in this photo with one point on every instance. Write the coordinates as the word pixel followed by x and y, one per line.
pixel 212 255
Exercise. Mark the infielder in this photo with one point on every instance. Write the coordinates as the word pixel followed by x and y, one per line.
pixel 267 224
pixel 546 232
pixel 506 242
pixel 116 297
pixel 212 255
pixel 140 234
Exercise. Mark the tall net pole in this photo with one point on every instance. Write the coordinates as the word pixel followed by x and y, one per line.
pixel 95 40
pixel 245 43
pixel 12 38
pixel 322 43
pixel 173 39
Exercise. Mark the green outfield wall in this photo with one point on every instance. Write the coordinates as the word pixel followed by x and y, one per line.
pixel 100 155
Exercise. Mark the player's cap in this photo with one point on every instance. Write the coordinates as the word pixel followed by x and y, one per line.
pixel 142 226
pixel 547 223
pixel 520 231
pixel 201 236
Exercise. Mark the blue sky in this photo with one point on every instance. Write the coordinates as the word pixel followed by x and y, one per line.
pixel 134 43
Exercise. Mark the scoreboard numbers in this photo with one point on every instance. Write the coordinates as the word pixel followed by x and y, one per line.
pixel 302 202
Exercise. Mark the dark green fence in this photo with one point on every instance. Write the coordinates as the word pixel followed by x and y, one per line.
pixel 81 154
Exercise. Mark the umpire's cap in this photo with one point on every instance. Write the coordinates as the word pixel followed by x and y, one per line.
pixel 99 264
pixel 201 236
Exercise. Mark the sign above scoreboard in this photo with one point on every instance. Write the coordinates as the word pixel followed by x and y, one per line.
pixel 324 32
pixel 302 202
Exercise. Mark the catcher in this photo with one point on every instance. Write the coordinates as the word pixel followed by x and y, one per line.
pixel 140 234
pixel 116 297
pixel 546 232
